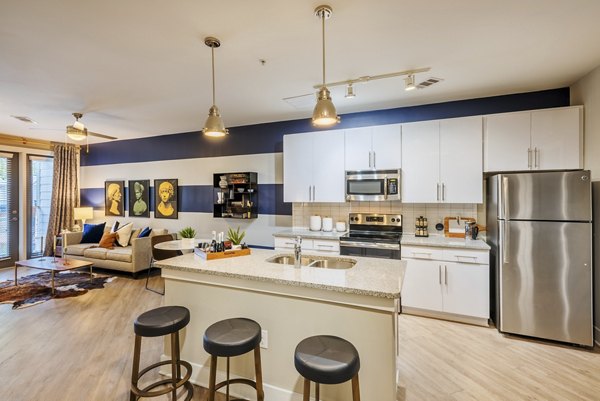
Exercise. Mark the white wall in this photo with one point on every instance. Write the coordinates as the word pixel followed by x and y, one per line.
pixel 586 91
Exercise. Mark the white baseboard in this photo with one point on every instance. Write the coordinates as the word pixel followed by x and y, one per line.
pixel 478 321
pixel 597 335
pixel 200 374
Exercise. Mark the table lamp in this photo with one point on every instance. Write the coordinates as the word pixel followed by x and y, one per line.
pixel 82 213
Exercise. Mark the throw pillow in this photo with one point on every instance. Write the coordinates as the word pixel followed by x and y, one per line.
pixel 114 227
pixel 145 232
pixel 123 234
pixel 92 233
pixel 108 240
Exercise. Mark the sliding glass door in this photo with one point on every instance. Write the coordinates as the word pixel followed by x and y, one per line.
pixel 9 208
pixel 39 195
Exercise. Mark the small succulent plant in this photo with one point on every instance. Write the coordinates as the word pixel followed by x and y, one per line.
pixel 187 232
pixel 235 236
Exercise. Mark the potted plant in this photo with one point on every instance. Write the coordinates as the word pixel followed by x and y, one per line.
pixel 236 237
pixel 188 234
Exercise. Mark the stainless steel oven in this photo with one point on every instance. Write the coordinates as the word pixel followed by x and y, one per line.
pixel 373 235
pixel 373 185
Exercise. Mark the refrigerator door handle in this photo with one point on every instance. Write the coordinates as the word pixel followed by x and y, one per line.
pixel 504 244
pixel 504 196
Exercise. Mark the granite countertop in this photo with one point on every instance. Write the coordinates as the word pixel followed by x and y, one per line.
pixel 306 233
pixel 372 277
pixel 444 242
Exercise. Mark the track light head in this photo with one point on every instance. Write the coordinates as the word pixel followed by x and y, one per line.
pixel 409 83
pixel 350 92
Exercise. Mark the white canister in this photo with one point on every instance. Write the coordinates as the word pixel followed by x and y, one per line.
pixel 340 226
pixel 315 223
pixel 327 224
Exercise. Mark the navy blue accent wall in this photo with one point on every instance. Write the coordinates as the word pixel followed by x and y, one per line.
pixel 268 137
pixel 200 198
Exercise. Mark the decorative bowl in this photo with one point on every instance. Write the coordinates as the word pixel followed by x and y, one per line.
pixel 240 189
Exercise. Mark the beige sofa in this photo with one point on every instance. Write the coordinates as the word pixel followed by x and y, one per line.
pixel 132 259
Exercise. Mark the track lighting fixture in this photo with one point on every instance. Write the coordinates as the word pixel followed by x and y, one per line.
pixel 409 82
pixel 324 113
pixel 214 125
pixel 349 92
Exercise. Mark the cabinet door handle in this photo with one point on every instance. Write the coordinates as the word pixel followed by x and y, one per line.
pixel 310 193
pixel 324 246
pixel 537 158
pixel 438 191
pixel 427 255
pixel 443 191
pixel 440 274
pixel 314 193
pixel 370 160
pixel 374 159
pixel 445 274
pixel 529 158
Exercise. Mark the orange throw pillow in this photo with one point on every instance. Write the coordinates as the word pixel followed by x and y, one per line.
pixel 108 240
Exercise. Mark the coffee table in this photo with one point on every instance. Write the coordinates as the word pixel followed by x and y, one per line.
pixel 53 265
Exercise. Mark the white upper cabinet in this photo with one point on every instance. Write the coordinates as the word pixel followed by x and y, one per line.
pixel 442 161
pixel 549 139
pixel 421 162
pixel 507 142
pixel 557 138
pixel 376 147
pixel 461 160
pixel 313 167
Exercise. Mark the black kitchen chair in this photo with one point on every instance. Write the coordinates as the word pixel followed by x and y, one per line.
pixel 160 254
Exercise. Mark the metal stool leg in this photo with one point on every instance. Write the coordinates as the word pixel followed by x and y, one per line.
pixel 174 366
pixel 355 388
pixel 306 391
pixel 136 366
pixel 213 378
pixel 260 394
pixel 148 278
pixel 317 391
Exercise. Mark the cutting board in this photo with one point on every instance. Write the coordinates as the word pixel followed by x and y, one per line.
pixel 453 229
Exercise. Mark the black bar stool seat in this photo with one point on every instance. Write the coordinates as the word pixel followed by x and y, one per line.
pixel 327 360
pixel 233 337
pixel 166 320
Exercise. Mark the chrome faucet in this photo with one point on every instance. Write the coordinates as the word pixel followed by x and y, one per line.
pixel 297 252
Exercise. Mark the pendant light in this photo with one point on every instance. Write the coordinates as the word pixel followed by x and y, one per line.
pixel 214 125
pixel 324 113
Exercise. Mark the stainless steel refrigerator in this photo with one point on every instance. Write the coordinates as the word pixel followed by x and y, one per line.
pixel 539 226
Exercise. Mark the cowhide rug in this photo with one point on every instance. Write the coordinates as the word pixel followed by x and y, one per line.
pixel 36 288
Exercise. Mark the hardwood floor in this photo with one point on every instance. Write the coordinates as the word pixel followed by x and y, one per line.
pixel 81 349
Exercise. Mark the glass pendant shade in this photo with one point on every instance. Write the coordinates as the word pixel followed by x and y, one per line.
pixel 76 134
pixel 324 113
pixel 214 125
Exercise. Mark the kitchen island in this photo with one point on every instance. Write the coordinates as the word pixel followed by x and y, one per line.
pixel 360 304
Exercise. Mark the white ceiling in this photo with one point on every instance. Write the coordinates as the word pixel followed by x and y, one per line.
pixel 139 68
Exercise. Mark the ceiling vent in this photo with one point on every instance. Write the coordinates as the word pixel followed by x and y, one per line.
pixel 427 83
pixel 25 119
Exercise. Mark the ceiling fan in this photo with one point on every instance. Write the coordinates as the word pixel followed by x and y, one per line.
pixel 78 132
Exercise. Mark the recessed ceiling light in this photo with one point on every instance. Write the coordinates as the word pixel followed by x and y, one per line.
pixel 25 119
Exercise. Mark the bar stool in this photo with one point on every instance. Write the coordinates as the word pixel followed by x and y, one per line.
pixel 233 337
pixel 327 360
pixel 154 323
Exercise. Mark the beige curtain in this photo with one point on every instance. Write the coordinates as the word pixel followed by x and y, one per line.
pixel 65 191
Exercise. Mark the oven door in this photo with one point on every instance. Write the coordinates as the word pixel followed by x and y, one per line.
pixel 370 249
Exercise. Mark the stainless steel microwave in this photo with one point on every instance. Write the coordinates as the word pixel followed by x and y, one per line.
pixel 373 185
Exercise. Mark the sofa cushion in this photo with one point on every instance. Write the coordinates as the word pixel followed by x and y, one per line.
pixel 119 254
pixel 145 232
pixel 114 227
pixel 78 249
pixel 134 234
pixel 92 233
pixel 95 253
pixel 123 234
pixel 158 231
pixel 108 240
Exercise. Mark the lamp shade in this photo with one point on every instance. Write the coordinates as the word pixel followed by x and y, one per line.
pixel 324 113
pixel 76 134
pixel 83 213
pixel 214 125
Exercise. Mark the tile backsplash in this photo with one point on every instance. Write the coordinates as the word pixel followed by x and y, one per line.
pixel 435 212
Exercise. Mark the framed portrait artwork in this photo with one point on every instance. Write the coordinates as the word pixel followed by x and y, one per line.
pixel 165 199
pixel 113 198
pixel 139 198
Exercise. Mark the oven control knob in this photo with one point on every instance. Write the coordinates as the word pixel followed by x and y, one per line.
pixel 393 220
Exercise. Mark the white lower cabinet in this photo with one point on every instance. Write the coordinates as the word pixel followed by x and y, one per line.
pixel 313 246
pixel 448 283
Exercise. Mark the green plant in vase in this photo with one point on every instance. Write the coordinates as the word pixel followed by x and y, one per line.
pixel 236 237
pixel 188 233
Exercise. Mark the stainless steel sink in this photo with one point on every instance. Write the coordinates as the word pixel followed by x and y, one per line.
pixel 289 260
pixel 326 262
